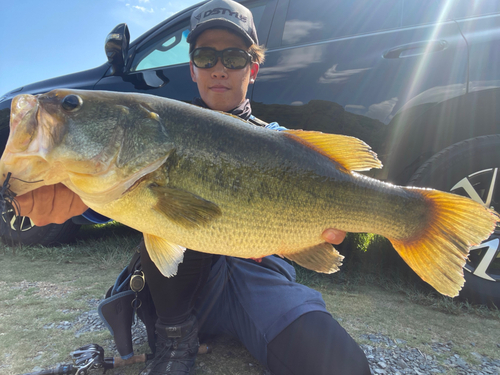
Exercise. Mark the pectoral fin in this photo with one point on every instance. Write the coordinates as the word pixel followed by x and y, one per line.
pixel 322 258
pixel 184 208
pixel 165 255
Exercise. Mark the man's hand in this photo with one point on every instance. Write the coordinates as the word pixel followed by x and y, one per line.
pixel 333 236
pixel 50 204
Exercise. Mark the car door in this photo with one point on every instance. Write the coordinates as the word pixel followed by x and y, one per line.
pixel 351 66
pixel 479 22
pixel 159 64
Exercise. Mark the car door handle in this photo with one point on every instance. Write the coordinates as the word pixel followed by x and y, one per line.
pixel 414 49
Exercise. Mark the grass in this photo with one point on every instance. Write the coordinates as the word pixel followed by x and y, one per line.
pixel 371 294
pixel 41 285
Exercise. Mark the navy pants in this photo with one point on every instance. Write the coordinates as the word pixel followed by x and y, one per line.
pixel 283 324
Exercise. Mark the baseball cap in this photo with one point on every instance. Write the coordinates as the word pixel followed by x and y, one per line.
pixel 223 13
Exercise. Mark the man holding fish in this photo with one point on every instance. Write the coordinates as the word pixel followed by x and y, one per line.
pixel 285 325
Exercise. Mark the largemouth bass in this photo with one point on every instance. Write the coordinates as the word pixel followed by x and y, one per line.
pixel 189 177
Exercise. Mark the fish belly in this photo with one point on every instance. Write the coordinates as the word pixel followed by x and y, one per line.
pixel 270 215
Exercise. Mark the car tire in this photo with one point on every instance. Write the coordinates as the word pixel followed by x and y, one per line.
pixel 20 229
pixel 471 168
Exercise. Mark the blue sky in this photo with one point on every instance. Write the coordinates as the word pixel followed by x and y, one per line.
pixel 41 39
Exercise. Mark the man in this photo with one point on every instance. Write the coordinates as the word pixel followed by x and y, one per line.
pixel 285 325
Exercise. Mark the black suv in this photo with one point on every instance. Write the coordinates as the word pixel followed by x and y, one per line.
pixel 418 80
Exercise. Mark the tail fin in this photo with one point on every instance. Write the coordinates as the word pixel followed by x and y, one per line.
pixel 439 253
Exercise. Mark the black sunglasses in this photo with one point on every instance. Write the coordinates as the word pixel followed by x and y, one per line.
pixel 231 58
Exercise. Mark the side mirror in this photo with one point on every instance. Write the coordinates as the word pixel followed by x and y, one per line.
pixel 116 47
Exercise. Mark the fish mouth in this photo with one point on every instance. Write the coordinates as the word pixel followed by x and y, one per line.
pixel 21 150
pixel 23 107
pixel 12 177
pixel 23 123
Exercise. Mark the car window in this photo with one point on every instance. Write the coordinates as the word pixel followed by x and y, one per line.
pixel 171 48
pixel 417 12
pixel 257 9
pixel 167 49
pixel 316 20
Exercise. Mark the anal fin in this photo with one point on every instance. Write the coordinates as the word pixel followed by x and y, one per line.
pixel 165 255
pixel 322 258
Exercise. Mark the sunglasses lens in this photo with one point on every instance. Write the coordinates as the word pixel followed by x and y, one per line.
pixel 204 58
pixel 234 59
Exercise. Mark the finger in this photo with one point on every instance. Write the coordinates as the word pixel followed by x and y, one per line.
pixel 77 206
pixel 43 205
pixel 68 203
pixel 333 236
pixel 65 205
pixel 24 204
pixel 62 202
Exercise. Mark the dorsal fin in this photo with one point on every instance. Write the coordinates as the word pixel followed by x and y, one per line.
pixel 351 153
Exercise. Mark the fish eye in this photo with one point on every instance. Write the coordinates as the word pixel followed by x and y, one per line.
pixel 71 102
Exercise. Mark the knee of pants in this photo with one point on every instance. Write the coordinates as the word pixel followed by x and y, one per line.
pixel 316 344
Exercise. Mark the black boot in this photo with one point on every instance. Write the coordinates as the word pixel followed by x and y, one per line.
pixel 176 348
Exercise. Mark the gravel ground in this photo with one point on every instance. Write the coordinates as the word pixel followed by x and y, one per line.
pixel 395 357
pixel 385 355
